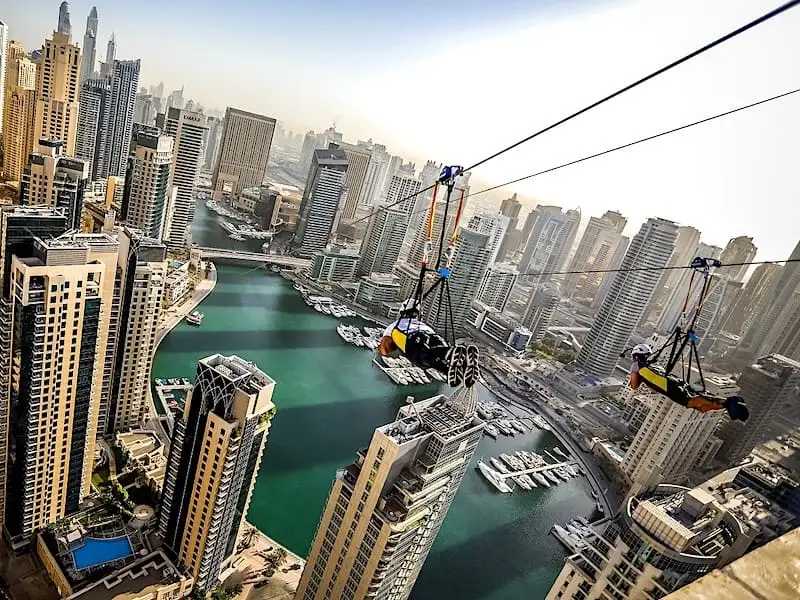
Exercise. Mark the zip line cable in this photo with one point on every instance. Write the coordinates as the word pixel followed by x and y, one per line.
pixel 729 36
pixel 675 268
pixel 623 146
pixel 773 13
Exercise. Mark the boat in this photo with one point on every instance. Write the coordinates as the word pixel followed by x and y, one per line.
pixel 490 430
pixel 521 482
pixel 552 476
pixel 539 421
pixel 600 509
pixel 345 333
pixel 236 237
pixel 541 479
pixel 560 473
pixel 571 541
pixel 318 308
pixel 492 477
pixel 196 318
pixel 326 309
pixel 518 426
pixel 498 464
pixel 503 429
pixel 275 268
pixel 526 477
pixel 558 450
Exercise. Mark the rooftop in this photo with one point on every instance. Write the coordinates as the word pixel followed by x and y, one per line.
pixel 246 375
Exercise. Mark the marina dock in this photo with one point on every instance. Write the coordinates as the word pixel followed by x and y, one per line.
pixel 541 469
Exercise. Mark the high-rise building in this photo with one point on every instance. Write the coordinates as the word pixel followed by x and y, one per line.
pixel 107 67
pixel 147 194
pixel 383 241
pixel 375 176
pixel 212 144
pixel 628 296
pixel 321 199
pixel 57 89
pixel 213 462
pixel 89 46
pixel 358 159
pixel 54 179
pixel 385 509
pixel 4 51
pixel 445 312
pixel 187 130
pixel 671 442
pixel 686 248
pixel 119 127
pixel 510 207
pixel 547 246
pixel 93 119
pixel 417 250
pixel 307 153
pixel 754 299
pixel 64 25
pixel 401 191
pixel 779 329
pixel 142 273
pixel 19 108
pixel 540 309
pixel 738 250
pixel 767 385
pixel 144 110
pixel 596 250
pixel 56 391
pixel 494 225
pixel 663 538
pixel 497 285
pixel 721 293
pixel 244 151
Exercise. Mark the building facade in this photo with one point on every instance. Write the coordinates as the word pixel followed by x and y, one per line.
pixel 497 284
pixel 540 309
pixel 547 245
pixel 383 241
pixel 93 119
pixel 493 225
pixel 334 264
pixel 19 108
pixel 358 159
pixel 245 144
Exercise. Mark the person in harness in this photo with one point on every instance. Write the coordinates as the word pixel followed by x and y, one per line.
pixel 679 391
pixel 425 348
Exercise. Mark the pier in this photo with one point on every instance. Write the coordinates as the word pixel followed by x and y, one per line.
pixel 547 467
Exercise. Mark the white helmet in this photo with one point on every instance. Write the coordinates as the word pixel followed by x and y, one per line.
pixel 641 350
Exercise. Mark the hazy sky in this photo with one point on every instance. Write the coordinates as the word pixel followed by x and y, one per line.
pixel 456 81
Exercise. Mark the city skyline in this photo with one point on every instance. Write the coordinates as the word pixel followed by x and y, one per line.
pixel 704 157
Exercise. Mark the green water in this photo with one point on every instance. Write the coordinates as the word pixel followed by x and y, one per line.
pixel 330 398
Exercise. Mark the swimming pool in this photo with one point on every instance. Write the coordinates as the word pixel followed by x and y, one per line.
pixel 97 551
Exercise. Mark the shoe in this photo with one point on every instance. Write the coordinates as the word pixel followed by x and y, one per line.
pixel 455 367
pixel 737 409
pixel 472 368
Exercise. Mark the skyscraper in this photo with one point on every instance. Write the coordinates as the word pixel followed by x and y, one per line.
pixel 124 83
pixel 686 248
pixel 244 151
pixel 403 186
pixel 54 179
pixel 595 251
pixel 754 300
pixel 416 252
pixel 738 250
pixel 93 121
pixel 375 176
pixel 56 392
pixel 212 144
pixel 89 46
pixel 307 153
pixel 448 312
pixel 547 246
pixel 147 194
pixel 144 111
pixel 540 309
pixel 213 462
pixel 19 107
pixel 107 67
pixel 627 299
pixel 187 129
pixel 64 25
pixel 4 51
pixel 57 89
pixel 767 385
pixel 358 159
pixel 142 273
pixel 779 330
pixel 385 509
pixel 497 285
pixel 321 199
pixel 608 278
pixel 511 207
pixel 494 225
pixel 383 241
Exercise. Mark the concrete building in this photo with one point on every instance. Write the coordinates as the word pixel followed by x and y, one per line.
pixel 213 461
pixel 753 301
pixel 178 282
pixel 53 178
pixel 358 159
pixel 93 119
pixel 64 25
pixel 57 390
pixel 57 89
pixel 107 67
pixel 444 312
pixel 686 248
pixel 547 245
pixel 321 199
pixel 119 127
pixel 511 207
pixel 89 46
pixel 662 539
pixel 417 250
pixel 497 284
pixel 493 225
pixel 3 67
pixel 245 144
pixel 540 309
pixel 187 129
pixel 498 328
pixel 376 175
pixel 596 250
pixel 608 278
pixel 767 385
pixel 142 273
pixel 779 330
pixel 400 186
pixel 307 153
pixel 628 296
pixel 376 290
pixel 147 194
pixel 383 241
pixel 19 107
pixel 385 509
pixel 738 250
pixel 144 110
pixel 212 143
pixel 334 264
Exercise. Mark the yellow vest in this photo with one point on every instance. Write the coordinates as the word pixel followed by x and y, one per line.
pixel 399 338
pixel 653 378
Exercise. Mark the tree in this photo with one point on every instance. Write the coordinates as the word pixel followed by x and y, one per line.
pixel 197 595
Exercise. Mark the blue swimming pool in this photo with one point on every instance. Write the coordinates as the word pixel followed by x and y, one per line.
pixel 97 551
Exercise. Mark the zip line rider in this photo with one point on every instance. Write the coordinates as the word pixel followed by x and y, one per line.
pixel 678 390
pixel 425 348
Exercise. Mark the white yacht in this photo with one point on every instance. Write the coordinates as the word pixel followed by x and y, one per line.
pixel 541 479
pixel 492 477
pixel 490 430
pixel 498 464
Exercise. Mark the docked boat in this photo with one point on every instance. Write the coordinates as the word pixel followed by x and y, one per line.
pixel 571 541
pixel 196 319
pixel 521 482
pixel 503 429
pixel 552 476
pixel 498 464
pixel 518 426
pixel 527 478
pixel 559 451
pixel 236 237
pixel 318 308
pixel 541 479
pixel 539 421
pixel 492 477
pixel 490 430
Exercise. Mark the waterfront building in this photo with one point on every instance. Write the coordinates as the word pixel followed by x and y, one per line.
pixel 385 509
pixel 630 291
pixel 332 264
pixel 4 51
pixel 376 290
pixel 119 126
pixel 686 248
pixel 754 300
pixel 495 226
pixel 383 241
pixel 245 144
pixel 321 199
pixel 19 104
pixel 358 159
pixel 376 175
pixel 738 250
pixel 497 284
pixel 93 121
pixel 213 461
pixel 540 309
